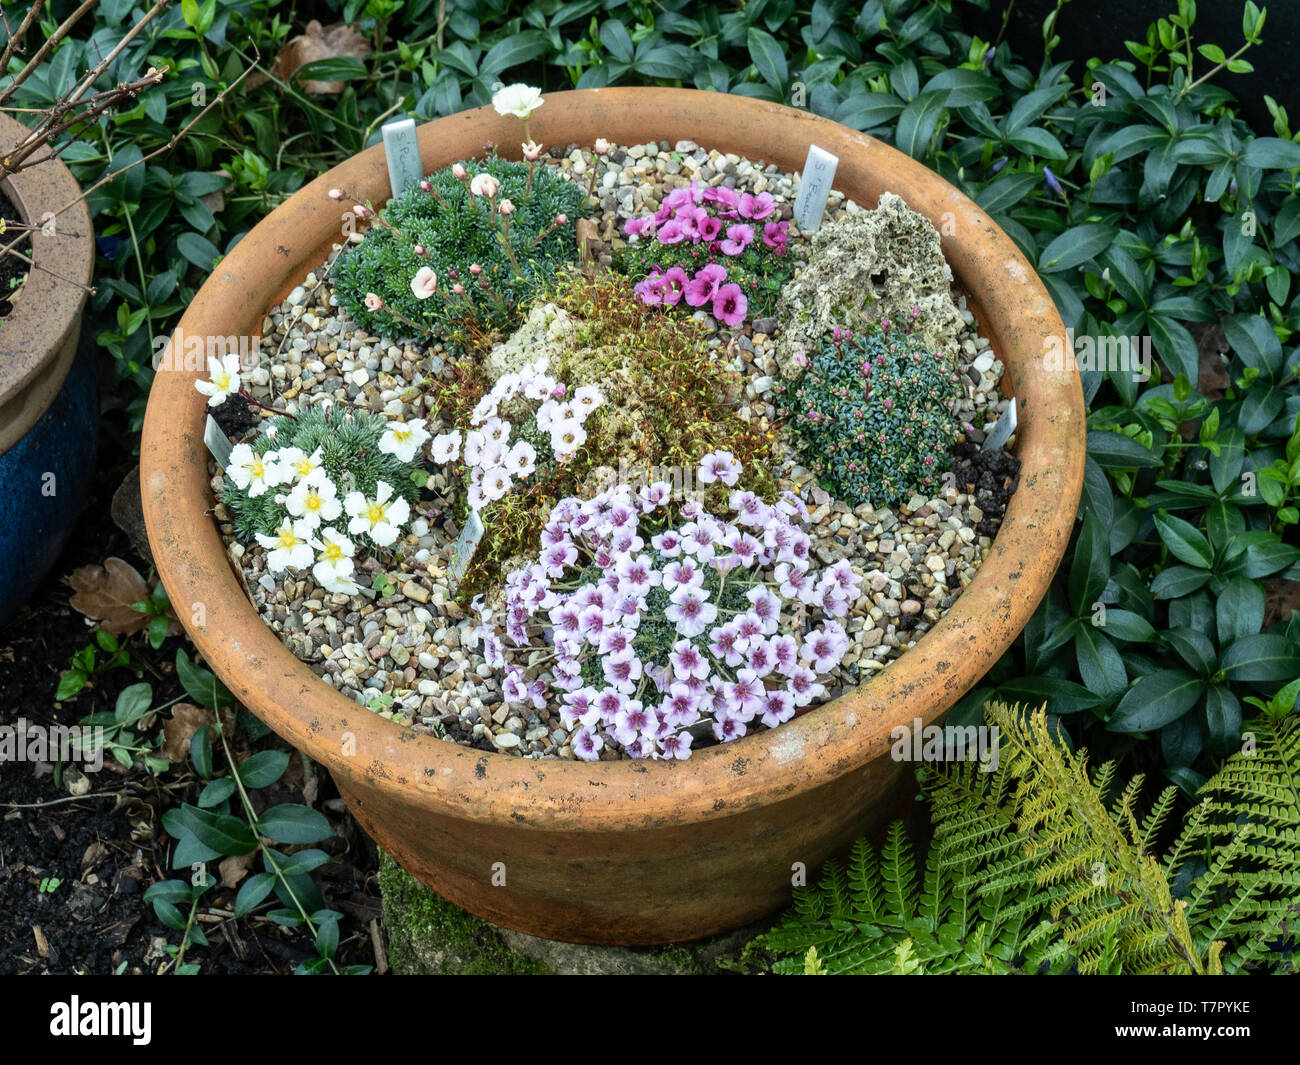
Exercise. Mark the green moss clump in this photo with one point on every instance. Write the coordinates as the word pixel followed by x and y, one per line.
pixel 465 945
pixel 874 416
pixel 669 401
pixel 457 230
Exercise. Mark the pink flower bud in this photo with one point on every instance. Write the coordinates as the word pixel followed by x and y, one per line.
pixel 419 249
pixel 532 151
pixel 507 207
pixel 475 269
pixel 336 194
pixel 458 288
pixel 361 210
pixel 458 172
pixel 374 302
pixel 561 219
pixel 425 186
pixel 602 146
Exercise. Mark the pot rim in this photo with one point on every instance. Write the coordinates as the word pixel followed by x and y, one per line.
pixel 35 354
pixel 839 736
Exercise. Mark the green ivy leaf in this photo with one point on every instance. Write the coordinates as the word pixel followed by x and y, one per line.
pixel 1156 700
pixel 1259 658
pixel 294 823
pixel 1239 610
pixel 1184 540
pixel 1075 247
pixel 263 769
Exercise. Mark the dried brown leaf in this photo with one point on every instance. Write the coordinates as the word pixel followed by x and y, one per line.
pixel 235 868
pixel 186 720
pixel 105 594
pixel 319 42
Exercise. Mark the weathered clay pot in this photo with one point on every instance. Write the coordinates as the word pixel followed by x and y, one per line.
pixel 49 412
pixel 624 852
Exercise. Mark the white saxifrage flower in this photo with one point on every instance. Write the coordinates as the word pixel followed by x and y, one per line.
pixel 289 548
pixel 494 460
pixel 403 439
pixel 224 379
pixel 380 518
pixel 334 565
pixel 314 500
pixel 446 447
pixel 251 472
pixel 518 100
pixel 297 465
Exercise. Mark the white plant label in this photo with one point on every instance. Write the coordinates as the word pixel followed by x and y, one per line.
pixel 814 188
pixel 468 540
pixel 1002 429
pixel 402 150
pixel 217 442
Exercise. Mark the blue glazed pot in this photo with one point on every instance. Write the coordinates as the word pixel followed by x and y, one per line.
pixel 49 404
pixel 43 483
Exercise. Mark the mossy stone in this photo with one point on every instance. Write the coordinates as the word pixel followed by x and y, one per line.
pixel 427 935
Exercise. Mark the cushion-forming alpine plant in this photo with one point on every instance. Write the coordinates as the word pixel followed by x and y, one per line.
pixel 874 415
pixel 316 488
pixel 462 250
pixel 654 620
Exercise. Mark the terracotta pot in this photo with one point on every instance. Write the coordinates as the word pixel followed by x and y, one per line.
pixel 49 412
pixel 624 852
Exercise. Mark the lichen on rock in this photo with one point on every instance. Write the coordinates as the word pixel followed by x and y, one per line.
pixel 544 332
pixel 864 267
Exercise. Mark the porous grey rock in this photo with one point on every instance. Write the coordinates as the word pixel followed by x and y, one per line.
pixel 543 333
pixel 862 268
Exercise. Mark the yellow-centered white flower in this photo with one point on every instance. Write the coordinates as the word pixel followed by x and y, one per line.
pixel 403 439
pixel 380 518
pixel 224 379
pixel 314 500
pixel 289 548
pixel 334 566
pixel 297 465
pixel 251 472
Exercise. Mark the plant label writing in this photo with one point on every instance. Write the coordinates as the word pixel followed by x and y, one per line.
pixel 468 540
pixel 402 150
pixel 1002 429
pixel 818 175
pixel 217 442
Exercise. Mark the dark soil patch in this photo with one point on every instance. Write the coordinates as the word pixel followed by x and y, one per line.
pixel 992 476
pixel 106 847
pixel 13 271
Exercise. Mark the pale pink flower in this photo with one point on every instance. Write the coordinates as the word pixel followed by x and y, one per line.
pixel 484 185
pixel 424 284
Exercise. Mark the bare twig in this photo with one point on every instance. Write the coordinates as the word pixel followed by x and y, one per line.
pixel 57 802
pixel 16 36
pixel 180 134
pixel 44 50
